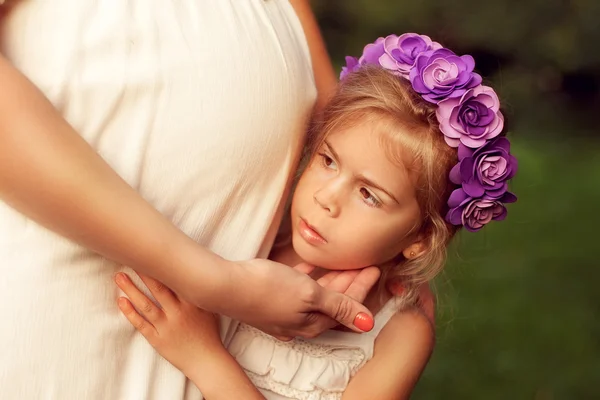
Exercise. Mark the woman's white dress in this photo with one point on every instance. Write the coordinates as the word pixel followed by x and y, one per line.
pixel 201 106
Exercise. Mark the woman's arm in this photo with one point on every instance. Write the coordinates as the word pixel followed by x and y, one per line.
pixel 325 78
pixel 50 174
pixel 188 338
pixel 402 350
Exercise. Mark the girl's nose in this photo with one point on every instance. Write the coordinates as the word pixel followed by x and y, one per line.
pixel 327 200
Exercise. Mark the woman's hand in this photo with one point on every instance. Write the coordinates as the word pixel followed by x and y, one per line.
pixel 286 302
pixel 182 333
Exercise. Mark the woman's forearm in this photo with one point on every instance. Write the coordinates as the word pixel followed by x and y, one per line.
pixel 50 174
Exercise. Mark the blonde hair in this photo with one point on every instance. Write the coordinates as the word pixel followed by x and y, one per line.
pixel 411 134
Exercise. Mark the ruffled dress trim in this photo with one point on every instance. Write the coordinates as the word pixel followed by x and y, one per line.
pixel 312 369
pixel 297 369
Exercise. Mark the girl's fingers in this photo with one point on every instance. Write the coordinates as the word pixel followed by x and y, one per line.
pixel 167 299
pixel 304 268
pixel 143 326
pixel 339 281
pixel 363 282
pixel 327 278
pixel 146 307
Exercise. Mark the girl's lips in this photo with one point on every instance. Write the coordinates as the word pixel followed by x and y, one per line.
pixel 309 234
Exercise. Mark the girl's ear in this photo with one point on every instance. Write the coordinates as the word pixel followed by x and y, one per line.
pixel 416 249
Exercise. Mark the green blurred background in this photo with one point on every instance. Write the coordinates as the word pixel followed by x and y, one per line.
pixel 518 312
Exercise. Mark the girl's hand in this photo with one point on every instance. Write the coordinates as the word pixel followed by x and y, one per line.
pixel 179 331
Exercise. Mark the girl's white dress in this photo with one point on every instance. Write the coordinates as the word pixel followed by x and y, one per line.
pixel 306 369
pixel 201 106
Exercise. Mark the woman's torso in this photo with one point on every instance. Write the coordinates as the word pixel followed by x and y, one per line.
pixel 201 106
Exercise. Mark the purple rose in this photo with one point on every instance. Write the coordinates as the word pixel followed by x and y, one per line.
pixel 471 119
pixel 351 66
pixel 372 52
pixel 440 74
pixel 486 169
pixel 401 52
pixel 474 213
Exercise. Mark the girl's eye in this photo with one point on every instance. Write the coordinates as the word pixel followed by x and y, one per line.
pixel 328 161
pixel 368 197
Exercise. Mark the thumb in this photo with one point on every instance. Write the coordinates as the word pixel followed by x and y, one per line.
pixel 345 310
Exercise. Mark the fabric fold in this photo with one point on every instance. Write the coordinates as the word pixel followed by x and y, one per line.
pixel 299 369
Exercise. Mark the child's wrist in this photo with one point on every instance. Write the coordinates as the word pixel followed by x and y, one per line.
pixel 208 368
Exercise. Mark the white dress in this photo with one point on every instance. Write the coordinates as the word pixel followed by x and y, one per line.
pixel 306 369
pixel 201 106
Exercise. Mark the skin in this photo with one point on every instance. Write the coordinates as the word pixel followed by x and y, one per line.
pixel 360 223
pixel 64 185
pixel 360 204
pixel 326 82
pixel 98 210
pixel 325 76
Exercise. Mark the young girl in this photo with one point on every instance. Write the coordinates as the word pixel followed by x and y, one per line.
pixel 407 151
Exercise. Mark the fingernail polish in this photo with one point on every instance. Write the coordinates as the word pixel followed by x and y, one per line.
pixel 363 322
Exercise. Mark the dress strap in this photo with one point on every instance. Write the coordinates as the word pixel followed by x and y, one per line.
pixel 383 316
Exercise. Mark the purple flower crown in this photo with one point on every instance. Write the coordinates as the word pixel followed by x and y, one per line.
pixel 469 118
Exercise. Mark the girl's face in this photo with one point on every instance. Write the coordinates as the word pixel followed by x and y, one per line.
pixel 353 207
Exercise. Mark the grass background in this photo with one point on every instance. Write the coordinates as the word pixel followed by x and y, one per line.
pixel 518 303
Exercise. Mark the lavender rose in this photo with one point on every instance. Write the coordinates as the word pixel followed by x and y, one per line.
pixel 372 52
pixel 440 74
pixel 351 66
pixel 486 169
pixel 472 119
pixel 400 52
pixel 395 53
pixel 474 213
